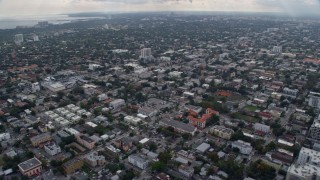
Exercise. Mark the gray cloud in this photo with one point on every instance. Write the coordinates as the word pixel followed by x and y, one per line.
pixel 135 1
pixel 294 7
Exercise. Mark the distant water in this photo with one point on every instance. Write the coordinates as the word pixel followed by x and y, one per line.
pixel 13 22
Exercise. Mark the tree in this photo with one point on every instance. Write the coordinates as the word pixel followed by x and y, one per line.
pixel 213 156
pixel 260 170
pixel 186 136
pixel 277 129
pixel 271 146
pixel 197 170
pixel 158 166
pixel 165 156
pixel 236 150
pixel 129 175
pixel 234 169
pixel 153 147
pixel 55 163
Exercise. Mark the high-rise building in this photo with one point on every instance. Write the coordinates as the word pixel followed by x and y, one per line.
pixel 314 132
pixel 314 100
pixel 277 49
pixel 35 87
pixel 146 53
pixel 43 24
pixel 35 37
pixel 18 39
pixel 307 166
pixel 307 155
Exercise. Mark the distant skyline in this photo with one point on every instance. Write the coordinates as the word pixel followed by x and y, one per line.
pixel 21 8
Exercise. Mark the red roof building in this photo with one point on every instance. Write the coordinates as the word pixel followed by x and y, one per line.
pixel 313 61
pixel 265 115
pixel 201 122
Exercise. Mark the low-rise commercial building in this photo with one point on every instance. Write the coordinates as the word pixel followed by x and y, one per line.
pixel 222 132
pixel 86 141
pixel 244 147
pixel 54 87
pixel 117 103
pixel 73 165
pixel 39 139
pixel 261 128
pixel 138 161
pixel 178 126
pixel 94 159
pixel 124 143
pixel 52 149
pixel 31 167
pixel 132 120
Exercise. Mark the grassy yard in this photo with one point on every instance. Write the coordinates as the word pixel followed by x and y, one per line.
pixel 251 108
pixel 249 119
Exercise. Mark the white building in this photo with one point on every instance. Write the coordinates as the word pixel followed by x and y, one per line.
pixel 117 103
pixel 146 53
pixel 303 172
pixel 314 131
pixel 54 87
pixel 35 38
pixel 138 161
pixel 244 147
pixel 223 56
pixel 52 149
pixel 188 94
pixel 94 159
pixel 93 67
pixel 175 74
pixel 290 92
pixel 310 156
pixel 147 111
pixel 314 100
pixel 4 136
pixel 72 131
pixel 277 49
pixel 18 39
pixel 307 166
pixel 35 87
pixel 102 97
pixel 132 120
pixel 261 127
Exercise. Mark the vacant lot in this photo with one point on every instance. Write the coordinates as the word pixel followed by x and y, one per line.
pixel 247 118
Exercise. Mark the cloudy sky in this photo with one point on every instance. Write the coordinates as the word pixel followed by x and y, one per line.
pixel 10 8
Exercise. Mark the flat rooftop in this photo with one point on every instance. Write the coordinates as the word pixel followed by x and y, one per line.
pixel 30 164
pixel 179 125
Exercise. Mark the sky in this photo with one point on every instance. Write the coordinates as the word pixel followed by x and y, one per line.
pixel 24 8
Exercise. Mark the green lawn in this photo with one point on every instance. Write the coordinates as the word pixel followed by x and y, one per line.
pixel 251 108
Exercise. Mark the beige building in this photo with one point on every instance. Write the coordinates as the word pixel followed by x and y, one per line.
pixel 73 165
pixel 39 139
pixel 222 132
pixel 31 167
